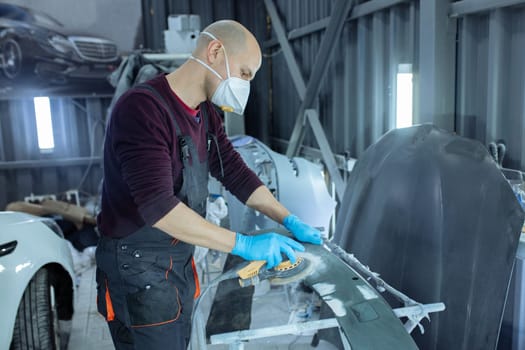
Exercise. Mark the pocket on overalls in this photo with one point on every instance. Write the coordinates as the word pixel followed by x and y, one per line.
pixel 154 305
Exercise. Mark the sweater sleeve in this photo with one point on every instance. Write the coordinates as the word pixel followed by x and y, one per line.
pixel 240 180
pixel 142 142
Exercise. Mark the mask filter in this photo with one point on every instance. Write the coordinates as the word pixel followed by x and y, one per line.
pixel 232 93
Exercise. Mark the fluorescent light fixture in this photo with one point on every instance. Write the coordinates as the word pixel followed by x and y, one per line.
pixel 44 124
pixel 404 96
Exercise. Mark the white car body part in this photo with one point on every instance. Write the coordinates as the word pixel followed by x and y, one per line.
pixel 297 183
pixel 39 243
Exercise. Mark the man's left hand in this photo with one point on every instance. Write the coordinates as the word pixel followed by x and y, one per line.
pixel 302 231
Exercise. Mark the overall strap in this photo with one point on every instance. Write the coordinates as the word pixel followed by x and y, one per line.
pixel 203 107
pixel 163 103
pixel 211 137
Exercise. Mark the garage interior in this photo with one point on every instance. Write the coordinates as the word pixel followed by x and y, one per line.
pixel 395 127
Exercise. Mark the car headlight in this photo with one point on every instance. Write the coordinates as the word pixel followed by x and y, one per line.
pixel 61 43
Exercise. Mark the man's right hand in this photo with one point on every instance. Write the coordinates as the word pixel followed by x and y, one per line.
pixel 267 246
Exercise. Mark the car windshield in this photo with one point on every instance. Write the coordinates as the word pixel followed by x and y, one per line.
pixel 45 20
pixel 13 12
pixel 28 15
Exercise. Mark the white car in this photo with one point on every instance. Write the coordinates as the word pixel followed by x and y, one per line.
pixel 36 283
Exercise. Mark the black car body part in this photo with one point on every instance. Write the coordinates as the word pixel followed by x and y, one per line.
pixel 32 42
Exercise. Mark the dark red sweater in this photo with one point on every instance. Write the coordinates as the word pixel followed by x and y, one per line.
pixel 142 166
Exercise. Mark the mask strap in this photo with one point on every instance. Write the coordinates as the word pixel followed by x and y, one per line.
pixel 227 63
pixel 210 35
pixel 225 54
pixel 205 65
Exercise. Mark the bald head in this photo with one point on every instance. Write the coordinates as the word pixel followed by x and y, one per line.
pixel 233 35
pixel 236 39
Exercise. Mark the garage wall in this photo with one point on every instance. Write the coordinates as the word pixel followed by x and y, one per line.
pixel 468 73
pixel 155 14
pixel 75 162
pixel 491 80
pixel 356 99
pixel 356 102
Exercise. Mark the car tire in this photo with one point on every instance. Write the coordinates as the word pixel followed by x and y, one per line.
pixel 36 325
pixel 12 54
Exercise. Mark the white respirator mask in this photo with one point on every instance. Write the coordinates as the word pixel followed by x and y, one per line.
pixel 232 93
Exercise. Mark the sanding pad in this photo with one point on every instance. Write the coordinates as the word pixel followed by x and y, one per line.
pixel 286 272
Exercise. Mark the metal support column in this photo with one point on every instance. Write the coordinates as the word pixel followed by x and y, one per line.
pixel 495 86
pixel 378 115
pixel 464 71
pixel 522 154
pixel 289 57
pixel 437 52
pixel 339 13
pixel 326 151
pixel 309 93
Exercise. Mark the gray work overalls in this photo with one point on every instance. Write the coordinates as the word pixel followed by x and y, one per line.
pixel 146 282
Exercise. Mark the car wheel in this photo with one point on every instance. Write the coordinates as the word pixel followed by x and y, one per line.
pixel 36 325
pixel 12 58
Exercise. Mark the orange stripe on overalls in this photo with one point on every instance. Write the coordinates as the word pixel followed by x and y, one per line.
pixel 109 305
pixel 196 276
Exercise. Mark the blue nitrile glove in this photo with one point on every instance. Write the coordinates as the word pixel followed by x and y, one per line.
pixel 267 246
pixel 302 231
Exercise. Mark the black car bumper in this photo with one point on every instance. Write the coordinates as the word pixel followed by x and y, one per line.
pixel 59 69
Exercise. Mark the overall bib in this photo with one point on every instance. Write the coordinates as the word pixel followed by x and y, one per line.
pixel 146 282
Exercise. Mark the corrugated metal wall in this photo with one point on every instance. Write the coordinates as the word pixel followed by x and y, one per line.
pixel 155 13
pixel 75 162
pixel 356 101
pixel 490 101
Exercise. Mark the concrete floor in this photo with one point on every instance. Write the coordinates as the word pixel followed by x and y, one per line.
pixel 272 306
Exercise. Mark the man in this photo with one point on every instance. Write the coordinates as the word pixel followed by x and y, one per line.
pixel 163 139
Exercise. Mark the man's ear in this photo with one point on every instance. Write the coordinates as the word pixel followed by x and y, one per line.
pixel 214 48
